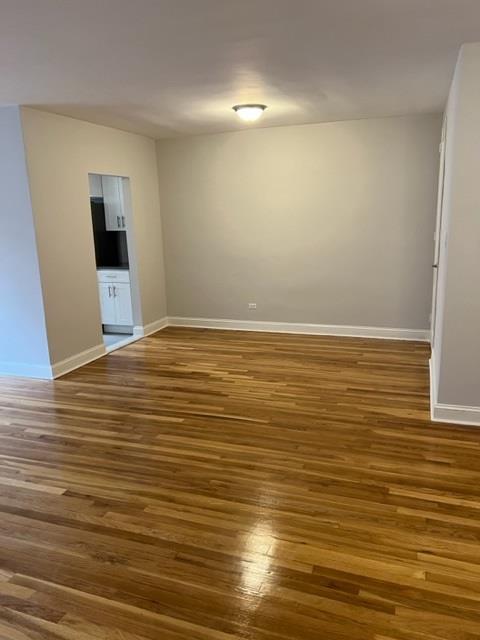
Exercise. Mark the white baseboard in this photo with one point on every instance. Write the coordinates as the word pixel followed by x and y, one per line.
pixel 433 385
pixel 456 414
pixel 152 327
pixel 24 370
pixel 452 413
pixel 310 329
pixel 46 372
pixel 129 338
pixel 78 360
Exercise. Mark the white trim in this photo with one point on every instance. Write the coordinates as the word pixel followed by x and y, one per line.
pixel 312 329
pixel 450 413
pixel 25 370
pixel 129 338
pixel 78 360
pixel 46 372
pixel 433 384
pixel 146 330
pixel 138 331
pixel 456 414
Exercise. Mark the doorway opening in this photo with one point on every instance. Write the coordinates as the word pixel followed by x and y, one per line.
pixel 111 221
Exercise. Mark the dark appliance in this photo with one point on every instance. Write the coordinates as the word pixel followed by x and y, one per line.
pixel 110 246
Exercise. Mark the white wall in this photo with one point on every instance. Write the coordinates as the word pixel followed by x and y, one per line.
pixel 61 152
pixel 442 229
pixel 457 345
pixel 328 223
pixel 23 338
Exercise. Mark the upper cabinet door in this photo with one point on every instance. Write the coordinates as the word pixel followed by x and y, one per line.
pixel 95 184
pixel 113 202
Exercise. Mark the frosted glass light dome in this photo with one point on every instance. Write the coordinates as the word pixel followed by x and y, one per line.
pixel 249 112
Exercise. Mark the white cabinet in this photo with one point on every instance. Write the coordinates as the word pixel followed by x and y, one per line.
pixel 123 303
pixel 107 303
pixel 113 202
pixel 115 296
pixel 95 184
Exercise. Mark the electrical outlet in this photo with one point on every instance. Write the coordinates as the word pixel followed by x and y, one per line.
pixel 252 305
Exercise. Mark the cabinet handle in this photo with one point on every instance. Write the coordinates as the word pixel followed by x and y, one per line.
pixel 114 291
pixel 118 222
pixel 109 291
pixel 123 222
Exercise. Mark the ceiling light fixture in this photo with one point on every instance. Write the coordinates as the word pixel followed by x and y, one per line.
pixel 249 112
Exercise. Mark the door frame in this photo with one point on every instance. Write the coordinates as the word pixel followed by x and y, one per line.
pixel 438 230
pixel 124 188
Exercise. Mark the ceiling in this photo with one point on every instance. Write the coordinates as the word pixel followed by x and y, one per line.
pixel 175 67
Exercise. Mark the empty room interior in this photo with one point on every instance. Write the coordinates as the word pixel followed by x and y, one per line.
pixel 239 320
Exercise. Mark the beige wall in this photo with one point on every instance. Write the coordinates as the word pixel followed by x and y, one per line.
pixel 61 152
pixel 329 223
pixel 457 343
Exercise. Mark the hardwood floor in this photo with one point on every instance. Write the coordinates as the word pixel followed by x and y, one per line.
pixel 211 485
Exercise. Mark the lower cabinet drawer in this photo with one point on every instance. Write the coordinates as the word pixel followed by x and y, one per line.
pixel 113 275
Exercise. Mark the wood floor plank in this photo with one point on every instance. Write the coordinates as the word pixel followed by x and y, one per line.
pixel 213 485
